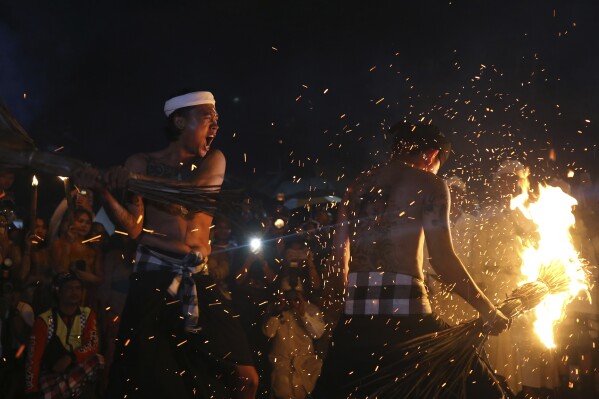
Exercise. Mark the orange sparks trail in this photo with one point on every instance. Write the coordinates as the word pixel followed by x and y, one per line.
pixel 552 214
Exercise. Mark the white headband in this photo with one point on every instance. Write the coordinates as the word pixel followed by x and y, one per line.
pixel 187 100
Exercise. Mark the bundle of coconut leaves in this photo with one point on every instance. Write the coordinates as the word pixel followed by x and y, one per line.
pixel 17 150
pixel 437 365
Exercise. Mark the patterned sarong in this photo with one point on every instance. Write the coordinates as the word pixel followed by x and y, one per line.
pixel 183 286
pixel 71 384
pixel 385 293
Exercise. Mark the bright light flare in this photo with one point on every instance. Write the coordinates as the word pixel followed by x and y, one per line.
pixel 34 181
pixel 255 244
pixel 552 214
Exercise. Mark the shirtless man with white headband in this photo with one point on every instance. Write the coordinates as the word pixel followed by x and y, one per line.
pixel 168 330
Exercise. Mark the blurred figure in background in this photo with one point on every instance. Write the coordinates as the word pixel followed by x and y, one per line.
pixel 82 199
pixel 223 254
pixel 118 265
pixel 293 324
pixel 63 359
pixel 73 253
pixel 16 320
pixel 10 252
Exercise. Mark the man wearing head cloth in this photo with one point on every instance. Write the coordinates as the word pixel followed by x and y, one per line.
pixel 168 326
pixel 385 216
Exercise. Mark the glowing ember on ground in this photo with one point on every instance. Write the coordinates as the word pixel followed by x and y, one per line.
pixel 552 214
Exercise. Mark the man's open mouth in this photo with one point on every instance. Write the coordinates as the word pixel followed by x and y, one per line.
pixel 210 139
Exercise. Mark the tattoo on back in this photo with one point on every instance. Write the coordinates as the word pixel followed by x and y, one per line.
pixel 436 207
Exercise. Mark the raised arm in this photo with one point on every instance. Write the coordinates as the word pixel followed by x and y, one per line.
pixel 129 215
pixel 445 261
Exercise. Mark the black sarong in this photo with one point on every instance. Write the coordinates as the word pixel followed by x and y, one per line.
pixel 361 343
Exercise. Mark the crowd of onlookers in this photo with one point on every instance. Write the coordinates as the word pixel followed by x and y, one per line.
pixel 272 265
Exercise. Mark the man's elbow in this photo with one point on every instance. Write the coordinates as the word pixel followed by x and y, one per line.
pixel 135 231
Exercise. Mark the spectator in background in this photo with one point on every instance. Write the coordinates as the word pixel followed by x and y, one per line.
pixel 298 265
pixel 578 333
pixel 83 199
pixel 293 324
pixel 16 320
pixel 250 221
pixel 118 265
pixel 63 359
pixel 100 237
pixel 72 253
pixel 222 255
pixel 37 271
pixel 10 253
pixel 7 178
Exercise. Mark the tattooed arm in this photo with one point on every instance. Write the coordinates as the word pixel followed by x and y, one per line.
pixel 130 215
pixel 446 263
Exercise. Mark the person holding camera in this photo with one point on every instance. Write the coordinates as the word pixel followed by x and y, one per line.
pixel 293 325
pixel 63 359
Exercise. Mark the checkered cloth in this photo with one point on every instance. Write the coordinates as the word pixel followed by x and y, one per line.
pixel 71 384
pixel 385 293
pixel 183 286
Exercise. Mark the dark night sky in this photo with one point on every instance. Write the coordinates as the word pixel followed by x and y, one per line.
pixel 96 74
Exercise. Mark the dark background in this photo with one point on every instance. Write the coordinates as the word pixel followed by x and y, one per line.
pixel 509 79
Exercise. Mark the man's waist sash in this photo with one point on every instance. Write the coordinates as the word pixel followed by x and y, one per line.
pixel 385 293
pixel 183 286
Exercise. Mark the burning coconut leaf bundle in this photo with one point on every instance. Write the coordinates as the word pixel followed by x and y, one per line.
pixel 438 365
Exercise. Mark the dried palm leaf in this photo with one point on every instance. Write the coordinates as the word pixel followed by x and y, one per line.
pixel 438 364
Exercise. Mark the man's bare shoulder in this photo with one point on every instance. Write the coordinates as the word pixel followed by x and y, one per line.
pixel 212 168
pixel 137 163
pixel 427 181
pixel 215 155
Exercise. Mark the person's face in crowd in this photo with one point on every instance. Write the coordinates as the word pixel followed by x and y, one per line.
pixel 39 229
pixel 294 298
pixel 6 180
pixel 70 293
pixel 310 228
pixel 198 129
pixel 222 231
pixel 82 225
pixel 323 217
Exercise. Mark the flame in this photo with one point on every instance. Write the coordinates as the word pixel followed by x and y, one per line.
pixel 552 215
pixel 34 181
pixel 62 178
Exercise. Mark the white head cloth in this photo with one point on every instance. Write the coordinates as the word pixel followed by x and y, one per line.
pixel 188 100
